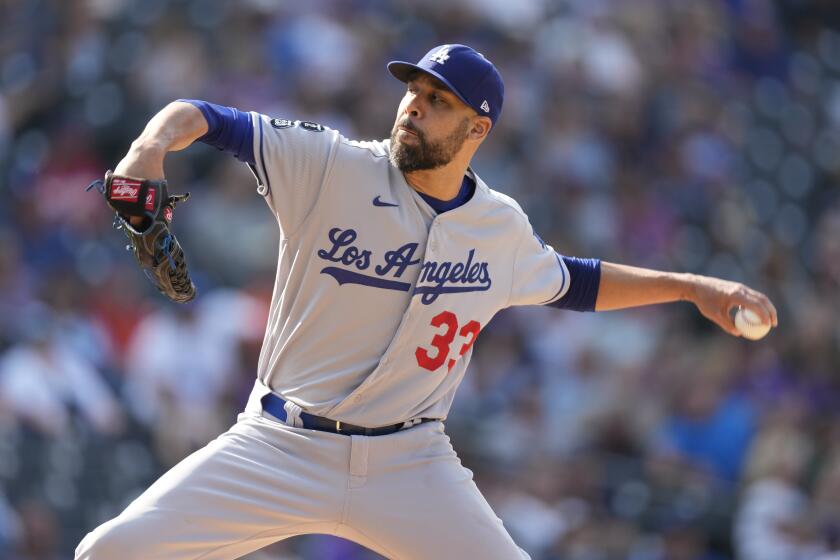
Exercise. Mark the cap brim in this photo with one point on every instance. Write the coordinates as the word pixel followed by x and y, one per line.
pixel 401 70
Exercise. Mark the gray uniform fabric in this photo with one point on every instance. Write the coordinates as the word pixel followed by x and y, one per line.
pixel 376 305
pixel 346 350
pixel 405 496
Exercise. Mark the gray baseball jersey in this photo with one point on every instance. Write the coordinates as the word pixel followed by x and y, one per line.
pixel 378 299
pixel 377 304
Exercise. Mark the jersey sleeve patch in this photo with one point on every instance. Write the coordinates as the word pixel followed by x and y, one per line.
pixel 294 158
pixel 282 123
pixel 305 125
pixel 312 126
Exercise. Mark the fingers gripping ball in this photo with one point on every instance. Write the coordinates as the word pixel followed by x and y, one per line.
pixel 153 244
pixel 749 324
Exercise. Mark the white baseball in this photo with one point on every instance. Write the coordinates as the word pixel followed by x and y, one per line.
pixel 749 324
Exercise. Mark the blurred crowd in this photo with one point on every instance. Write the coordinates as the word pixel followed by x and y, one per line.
pixel 698 136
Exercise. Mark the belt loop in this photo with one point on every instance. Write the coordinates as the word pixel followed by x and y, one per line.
pixel 359 450
pixel 293 415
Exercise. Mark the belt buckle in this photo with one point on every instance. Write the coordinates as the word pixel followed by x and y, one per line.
pixel 338 426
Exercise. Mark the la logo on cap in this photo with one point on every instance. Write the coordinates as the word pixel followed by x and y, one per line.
pixel 441 56
pixel 467 73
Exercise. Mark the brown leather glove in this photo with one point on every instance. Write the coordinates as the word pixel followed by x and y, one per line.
pixel 153 244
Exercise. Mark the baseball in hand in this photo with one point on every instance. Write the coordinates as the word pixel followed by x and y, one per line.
pixel 749 324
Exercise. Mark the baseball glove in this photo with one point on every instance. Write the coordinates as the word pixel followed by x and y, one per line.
pixel 153 244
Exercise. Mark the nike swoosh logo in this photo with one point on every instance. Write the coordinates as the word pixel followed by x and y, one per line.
pixel 379 202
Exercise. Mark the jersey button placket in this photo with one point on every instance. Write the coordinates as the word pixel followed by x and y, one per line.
pixel 433 244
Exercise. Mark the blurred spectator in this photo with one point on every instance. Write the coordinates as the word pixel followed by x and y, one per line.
pixel 45 383
pixel 15 287
pixel 826 505
pixel 773 519
pixel 181 364
pixel 712 424
pixel 41 533
pixel 10 528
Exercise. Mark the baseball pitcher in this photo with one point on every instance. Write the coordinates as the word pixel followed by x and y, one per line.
pixel 393 256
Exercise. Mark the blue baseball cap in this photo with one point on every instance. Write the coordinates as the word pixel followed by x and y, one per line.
pixel 465 71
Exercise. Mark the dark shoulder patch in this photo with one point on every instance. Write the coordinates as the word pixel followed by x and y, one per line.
pixel 313 126
pixel 282 123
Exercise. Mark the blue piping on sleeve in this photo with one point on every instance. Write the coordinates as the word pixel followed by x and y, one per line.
pixel 562 271
pixel 267 188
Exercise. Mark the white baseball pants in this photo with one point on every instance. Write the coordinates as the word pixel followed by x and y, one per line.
pixel 404 495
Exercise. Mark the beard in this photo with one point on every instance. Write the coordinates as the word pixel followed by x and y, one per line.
pixel 425 154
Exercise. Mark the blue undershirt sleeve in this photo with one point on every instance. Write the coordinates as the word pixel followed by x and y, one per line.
pixel 585 277
pixel 228 129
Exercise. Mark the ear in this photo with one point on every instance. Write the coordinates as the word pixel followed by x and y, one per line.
pixel 480 127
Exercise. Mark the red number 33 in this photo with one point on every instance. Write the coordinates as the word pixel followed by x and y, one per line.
pixel 441 342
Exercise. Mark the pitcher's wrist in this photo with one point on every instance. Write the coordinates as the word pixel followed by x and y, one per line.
pixel 688 286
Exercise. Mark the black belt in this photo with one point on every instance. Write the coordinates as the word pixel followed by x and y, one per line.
pixel 275 406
